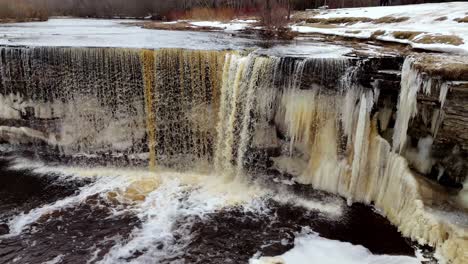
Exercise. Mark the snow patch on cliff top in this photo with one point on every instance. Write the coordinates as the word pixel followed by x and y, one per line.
pixel 429 25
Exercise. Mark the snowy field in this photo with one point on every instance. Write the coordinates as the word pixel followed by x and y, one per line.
pixel 425 23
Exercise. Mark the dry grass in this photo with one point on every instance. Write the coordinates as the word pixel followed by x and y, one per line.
pixel 180 26
pixel 441 18
pixel 302 16
pixel 318 25
pixel 462 20
pixel 219 14
pixel 338 20
pixel 21 20
pixel 353 31
pixel 354 20
pixel 390 19
pixel 410 35
pixel 377 34
pixel 286 34
pixel 22 11
pixel 440 39
pixel 446 67
pixel 428 39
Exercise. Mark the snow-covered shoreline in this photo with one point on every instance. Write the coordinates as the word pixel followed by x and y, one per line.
pixel 431 27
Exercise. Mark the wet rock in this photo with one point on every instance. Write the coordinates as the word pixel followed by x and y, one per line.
pixel 4 229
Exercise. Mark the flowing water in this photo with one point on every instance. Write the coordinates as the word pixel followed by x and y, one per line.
pixel 186 156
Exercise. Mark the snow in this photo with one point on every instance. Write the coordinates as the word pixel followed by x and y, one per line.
pixel 421 19
pixel 311 248
pixel 230 26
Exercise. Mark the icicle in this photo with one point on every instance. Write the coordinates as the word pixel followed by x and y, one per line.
pixel 444 87
pixel 411 83
pixel 360 146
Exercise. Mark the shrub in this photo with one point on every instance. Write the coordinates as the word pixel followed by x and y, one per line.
pixel 273 15
pixel 23 10
pixel 221 14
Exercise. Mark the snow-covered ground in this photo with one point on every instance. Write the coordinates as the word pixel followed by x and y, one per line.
pixel 431 20
pixel 233 25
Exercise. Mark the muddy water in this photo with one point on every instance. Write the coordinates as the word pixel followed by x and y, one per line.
pixel 97 229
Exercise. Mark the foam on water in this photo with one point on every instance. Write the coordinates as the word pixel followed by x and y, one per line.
pixel 55 260
pixel 159 199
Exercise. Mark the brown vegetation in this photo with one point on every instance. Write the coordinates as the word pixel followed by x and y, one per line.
pixel 446 67
pixel 441 18
pixel 353 31
pixel 377 34
pixel 180 26
pixel 220 14
pixel 338 20
pixel 354 20
pixel 167 9
pixel 274 17
pixel 416 37
pixel 157 9
pixel 440 39
pixel 410 35
pixel 22 11
pixel 390 19
pixel 321 25
pixel 462 20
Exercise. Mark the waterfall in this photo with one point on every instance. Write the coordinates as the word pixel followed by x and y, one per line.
pixel 147 57
pixel 182 90
pixel 76 100
pixel 231 114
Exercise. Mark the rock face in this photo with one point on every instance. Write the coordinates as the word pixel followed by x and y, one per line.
pixel 441 114
pixel 358 127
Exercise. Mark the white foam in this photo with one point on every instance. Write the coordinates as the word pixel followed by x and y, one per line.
pixel 421 158
pixel 55 260
pixel 105 184
pixel 168 196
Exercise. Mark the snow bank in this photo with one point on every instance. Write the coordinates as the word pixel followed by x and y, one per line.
pixel 428 20
pixel 311 248
pixel 234 25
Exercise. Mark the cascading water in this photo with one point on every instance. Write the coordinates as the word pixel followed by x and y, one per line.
pixel 220 113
